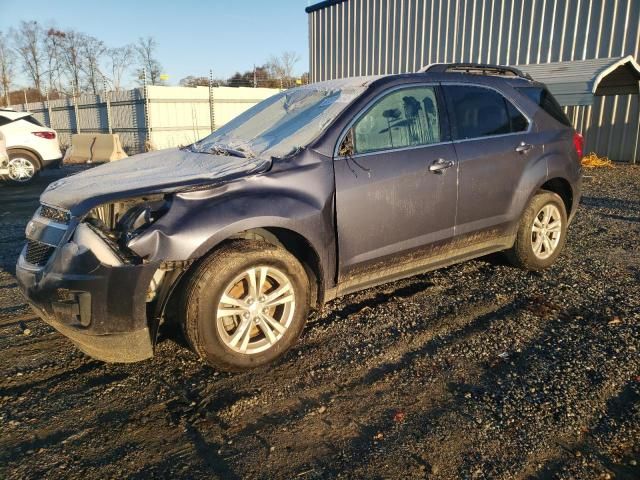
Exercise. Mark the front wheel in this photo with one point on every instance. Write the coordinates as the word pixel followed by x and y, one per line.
pixel 245 305
pixel 541 234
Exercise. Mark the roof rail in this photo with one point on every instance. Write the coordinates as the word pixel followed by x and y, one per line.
pixel 476 69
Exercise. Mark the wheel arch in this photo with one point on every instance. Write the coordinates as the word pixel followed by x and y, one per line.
pixel 295 243
pixel 562 188
pixel 18 148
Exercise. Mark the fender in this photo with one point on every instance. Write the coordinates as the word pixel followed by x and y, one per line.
pixel 26 149
pixel 299 199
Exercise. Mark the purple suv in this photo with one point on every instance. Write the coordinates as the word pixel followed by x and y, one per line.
pixel 313 193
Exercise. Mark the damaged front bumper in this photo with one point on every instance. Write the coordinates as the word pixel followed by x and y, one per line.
pixel 101 308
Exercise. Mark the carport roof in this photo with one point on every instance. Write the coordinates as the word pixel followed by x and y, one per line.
pixel 576 82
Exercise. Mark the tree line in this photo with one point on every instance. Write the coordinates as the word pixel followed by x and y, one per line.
pixel 66 62
pixel 277 72
pixel 60 63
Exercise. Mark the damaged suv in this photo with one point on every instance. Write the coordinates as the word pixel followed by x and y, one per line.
pixel 316 192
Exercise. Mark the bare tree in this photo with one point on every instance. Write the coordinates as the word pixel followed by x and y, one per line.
pixel 119 60
pixel 54 41
pixel 28 39
pixel 93 50
pixel 193 81
pixel 146 50
pixel 281 67
pixel 7 63
pixel 72 57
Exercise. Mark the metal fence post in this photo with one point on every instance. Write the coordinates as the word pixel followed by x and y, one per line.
pixel 47 106
pixel 75 111
pixel 147 126
pixel 212 111
pixel 107 101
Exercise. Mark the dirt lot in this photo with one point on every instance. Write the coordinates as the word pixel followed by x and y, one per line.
pixel 475 371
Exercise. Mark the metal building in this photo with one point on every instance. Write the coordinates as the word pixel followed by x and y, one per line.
pixel 362 37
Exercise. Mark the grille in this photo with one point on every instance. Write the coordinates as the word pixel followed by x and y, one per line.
pixel 38 253
pixel 54 214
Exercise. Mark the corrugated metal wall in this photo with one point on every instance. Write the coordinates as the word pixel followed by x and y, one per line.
pixel 361 37
pixel 177 115
pixel 127 117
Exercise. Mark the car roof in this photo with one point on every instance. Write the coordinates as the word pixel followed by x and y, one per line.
pixel 453 77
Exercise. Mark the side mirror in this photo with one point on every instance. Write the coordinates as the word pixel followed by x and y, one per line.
pixel 346 148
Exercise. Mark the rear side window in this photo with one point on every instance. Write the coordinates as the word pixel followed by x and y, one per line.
pixel 546 101
pixel 481 112
pixel 4 121
pixel 403 118
pixel 32 119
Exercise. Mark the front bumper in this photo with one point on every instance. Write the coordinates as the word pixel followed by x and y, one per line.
pixel 101 308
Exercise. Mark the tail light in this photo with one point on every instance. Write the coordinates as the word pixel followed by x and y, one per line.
pixel 578 144
pixel 47 135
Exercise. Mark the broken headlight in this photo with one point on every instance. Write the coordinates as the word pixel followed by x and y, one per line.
pixel 124 220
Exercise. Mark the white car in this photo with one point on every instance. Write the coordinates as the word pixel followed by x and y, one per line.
pixel 30 145
pixel 4 157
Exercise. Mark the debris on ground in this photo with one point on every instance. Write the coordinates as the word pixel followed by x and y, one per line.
pixel 496 372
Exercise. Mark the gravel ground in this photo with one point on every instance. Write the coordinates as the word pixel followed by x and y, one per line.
pixel 474 371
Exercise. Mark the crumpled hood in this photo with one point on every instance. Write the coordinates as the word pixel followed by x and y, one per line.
pixel 154 172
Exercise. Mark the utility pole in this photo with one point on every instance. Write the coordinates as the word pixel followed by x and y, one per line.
pixel 255 82
pixel 25 98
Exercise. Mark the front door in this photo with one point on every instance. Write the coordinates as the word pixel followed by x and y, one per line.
pixel 396 193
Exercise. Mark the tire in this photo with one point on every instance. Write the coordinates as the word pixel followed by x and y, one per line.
pixel 530 251
pixel 221 342
pixel 24 163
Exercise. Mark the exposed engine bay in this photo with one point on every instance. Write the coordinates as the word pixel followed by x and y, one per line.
pixel 117 223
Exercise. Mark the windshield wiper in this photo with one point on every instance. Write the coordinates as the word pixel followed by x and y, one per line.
pixel 220 149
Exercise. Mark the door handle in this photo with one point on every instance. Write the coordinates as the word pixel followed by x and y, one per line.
pixel 440 165
pixel 524 147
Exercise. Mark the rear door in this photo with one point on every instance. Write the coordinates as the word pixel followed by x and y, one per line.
pixel 396 195
pixel 494 144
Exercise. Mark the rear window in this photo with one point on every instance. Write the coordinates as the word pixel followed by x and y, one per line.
pixel 482 112
pixel 546 101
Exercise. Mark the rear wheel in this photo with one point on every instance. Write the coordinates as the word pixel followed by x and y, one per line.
pixel 22 167
pixel 246 305
pixel 541 234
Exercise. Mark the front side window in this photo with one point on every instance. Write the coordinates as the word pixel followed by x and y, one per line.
pixel 481 112
pixel 403 118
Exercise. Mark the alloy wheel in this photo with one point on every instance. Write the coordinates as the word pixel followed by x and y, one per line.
pixel 21 170
pixel 255 310
pixel 546 231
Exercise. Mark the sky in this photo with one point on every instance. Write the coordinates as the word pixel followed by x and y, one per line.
pixel 193 36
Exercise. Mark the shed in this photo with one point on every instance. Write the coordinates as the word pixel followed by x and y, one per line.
pixel 577 82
